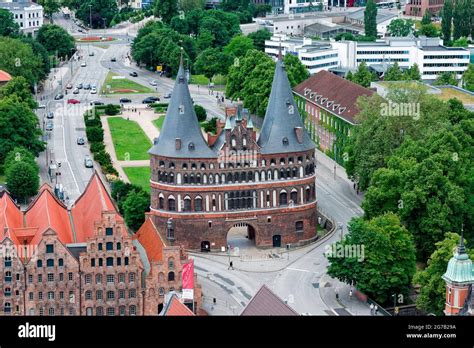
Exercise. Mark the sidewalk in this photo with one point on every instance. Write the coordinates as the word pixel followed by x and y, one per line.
pixel 344 305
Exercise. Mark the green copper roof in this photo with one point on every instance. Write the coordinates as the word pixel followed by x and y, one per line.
pixel 460 266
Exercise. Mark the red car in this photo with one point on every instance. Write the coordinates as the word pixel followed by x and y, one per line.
pixel 73 101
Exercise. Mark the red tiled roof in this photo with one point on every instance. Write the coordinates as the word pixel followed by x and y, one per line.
pixel 176 308
pixel 46 211
pixel 88 209
pixel 10 217
pixel 341 92
pixel 265 302
pixel 150 239
pixel 4 76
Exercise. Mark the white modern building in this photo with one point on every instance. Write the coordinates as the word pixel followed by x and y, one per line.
pixel 301 6
pixel 315 55
pixel 27 14
pixel 429 54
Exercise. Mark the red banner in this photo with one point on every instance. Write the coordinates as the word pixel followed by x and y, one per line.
pixel 188 275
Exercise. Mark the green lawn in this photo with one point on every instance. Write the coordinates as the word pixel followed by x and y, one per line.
pixel 139 176
pixel 123 86
pixel 128 138
pixel 159 122
pixel 199 80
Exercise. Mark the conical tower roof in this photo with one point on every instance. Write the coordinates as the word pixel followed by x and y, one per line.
pixel 282 122
pixel 181 135
pixel 460 269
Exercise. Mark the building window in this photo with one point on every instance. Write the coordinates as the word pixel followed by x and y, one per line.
pixel 132 293
pixel 109 246
pixel 88 279
pixel 162 292
pixel 171 276
pixel 99 246
pixel 51 312
pixel 132 310
pixel 162 203
pixel 30 278
pixel 40 295
pixel 8 261
pixel 98 279
pixel 187 204
pixel 7 292
pixel 60 262
pixel 109 231
pixel 7 308
pixel 121 293
pixel 50 295
pixel 89 311
pixel 49 248
pixel 109 261
pixel 61 277
pixel 171 204
pixel 100 262
pixel 131 277
pixel 110 295
pixel 110 278
pixel 50 277
pixel 92 262
pixel 40 278
pixel 70 276
pixel 98 295
pixel 99 311
pixel 122 310
pixel 88 295
pixel 119 246
pixel 299 226
pixel 39 263
pixel 126 261
pixel 171 263
pixel 121 278
pixel 61 295
pixel 41 311
pixel 30 296
pixel 283 198
pixel 119 261
pixel 110 311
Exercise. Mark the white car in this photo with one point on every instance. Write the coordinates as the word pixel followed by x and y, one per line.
pixel 93 91
pixel 153 83
pixel 83 64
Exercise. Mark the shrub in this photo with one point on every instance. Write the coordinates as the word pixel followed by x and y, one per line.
pixel 95 134
pixel 200 113
pixel 97 147
pixel 103 158
pixel 111 109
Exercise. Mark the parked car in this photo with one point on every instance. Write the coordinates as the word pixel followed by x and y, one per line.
pixel 69 86
pixel 91 54
pixel 87 86
pixel 93 91
pixel 76 91
pixel 83 64
pixel 125 100
pixel 93 86
pixel 41 106
pixel 96 102
pixel 73 101
pixel 58 96
pixel 88 162
pixel 134 74
pixel 50 115
pixel 80 141
pixel 150 100
pixel 153 83
pixel 79 85
pixel 167 96
pixel 49 125
pixel 113 59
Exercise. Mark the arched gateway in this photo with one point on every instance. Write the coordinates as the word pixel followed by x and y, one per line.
pixel 202 190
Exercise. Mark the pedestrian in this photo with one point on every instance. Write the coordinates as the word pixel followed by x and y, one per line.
pixel 350 294
pixel 337 293
pixel 354 186
pixel 231 265
pixel 139 113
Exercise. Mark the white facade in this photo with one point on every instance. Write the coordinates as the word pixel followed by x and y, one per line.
pixel 429 54
pixel 316 56
pixel 299 6
pixel 28 15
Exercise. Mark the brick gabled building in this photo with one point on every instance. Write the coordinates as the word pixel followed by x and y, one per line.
pixel 81 261
pixel 266 181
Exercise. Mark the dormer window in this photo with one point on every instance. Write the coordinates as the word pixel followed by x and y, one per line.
pixel 330 103
pixel 318 97
pixel 181 109
pixel 323 100
pixel 341 110
pixel 306 91
pixel 191 147
pixel 285 141
pixel 312 94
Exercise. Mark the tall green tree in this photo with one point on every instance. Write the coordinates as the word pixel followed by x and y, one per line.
pixel 467 18
pixel 166 9
pixel 297 72
pixel 22 180
pixel 238 46
pixel 446 78
pixel 189 5
pixel 446 20
pixel 413 73
pixel 370 19
pixel 212 62
pixel 56 40
pixel 429 30
pixel 400 27
pixel 50 7
pixel 432 297
pixel 100 12
pixel 8 26
pixel 134 207
pixel 468 78
pixel 386 265
pixel 363 76
pixel 258 37
pixel 18 154
pixel 457 19
pixel 394 73
pixel 426 18
pixel 20 88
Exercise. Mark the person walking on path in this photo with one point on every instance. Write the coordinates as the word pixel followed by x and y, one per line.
pixel 231 265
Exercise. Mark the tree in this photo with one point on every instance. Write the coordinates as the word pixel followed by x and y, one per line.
pixel 189 5
pixel 100 12
pixel 120 191
pixel 432 297
pixel 446 78
pixel 18 59
pixel 56 40
pixel 204 40
pixel 238 46
pixel 18 154
pixel 426 18
pixel 468 78
pixel 179 24
pixel 345 36
pixel 261 10
pixel 165 9
pixel 8 26
pixel 22 180
pixel 429 30
pixel 200 112
pixel 258 37
pixel 446 20
pixel 400 27
pixel 386 264
pixel 18 127
pixel 363 76
pixel 370 19
pixel 413 73
pixel 50 7
pixel 457 19
pixel 20 88
pixel 297 72
pixel 461 42
pixel 134 208
pixel 394 73
pixel 212 62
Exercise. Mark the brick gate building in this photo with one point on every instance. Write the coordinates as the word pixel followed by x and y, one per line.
pixel 200 189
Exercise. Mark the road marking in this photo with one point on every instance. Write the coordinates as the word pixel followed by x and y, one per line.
pixel 300 270
pixel 65 153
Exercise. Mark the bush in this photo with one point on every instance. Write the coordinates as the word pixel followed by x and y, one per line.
pixel 210 126
pixel 111 109
pixel 103 158
pixel 95 134
pixel 200 113
pixel 97 147
pixel 92 122
pixel 109 169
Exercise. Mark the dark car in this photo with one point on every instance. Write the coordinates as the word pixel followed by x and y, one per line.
pixel 167 96
pixel 113 60
pixel 79 86
pixel 134 74
pixel 96 102
pixel 50 115
pixel 150 100
pixel 58 96
pixel 125 100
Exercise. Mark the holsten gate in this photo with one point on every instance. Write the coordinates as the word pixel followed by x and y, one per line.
pixel 200 189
